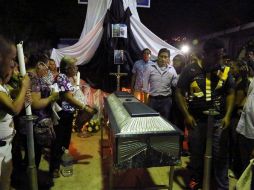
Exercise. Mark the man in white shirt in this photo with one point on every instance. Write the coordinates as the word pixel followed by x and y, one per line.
pixel 158 80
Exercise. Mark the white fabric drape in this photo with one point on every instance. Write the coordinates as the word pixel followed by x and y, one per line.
pixel 91 35
pixel 92 32
pixel 143 36
pixel 132 4
pixel 95 13
pixel 147 39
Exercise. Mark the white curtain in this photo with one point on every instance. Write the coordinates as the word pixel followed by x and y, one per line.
pixel 90 37
pixel 143 36
pixel 95 13
pixel 92 32
pixel 147 39
pixel 132 4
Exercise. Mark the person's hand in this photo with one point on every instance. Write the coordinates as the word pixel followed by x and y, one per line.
pixel 189 121
pixel 90 109
pixel 225 122
pixel 25 82
pixel 54 96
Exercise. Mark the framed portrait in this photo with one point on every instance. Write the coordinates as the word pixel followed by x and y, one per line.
pixel 143 3
pixel 118 56
pixel 82 1
pixel 119 31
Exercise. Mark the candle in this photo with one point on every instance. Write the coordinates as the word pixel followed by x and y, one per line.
pixel 78 79
pixel 22 68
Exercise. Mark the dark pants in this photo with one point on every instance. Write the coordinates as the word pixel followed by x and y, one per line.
pixel 161 105
pixel 234 151
pixel 197 142
pixel 37 154
pixel 21 140
pixel 63 138
pixel 246 147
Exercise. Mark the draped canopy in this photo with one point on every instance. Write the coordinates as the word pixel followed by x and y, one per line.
pixel 94 50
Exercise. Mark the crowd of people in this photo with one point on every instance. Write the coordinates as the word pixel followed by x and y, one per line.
pixel 50 94
pixel 209 80
pixel 182 89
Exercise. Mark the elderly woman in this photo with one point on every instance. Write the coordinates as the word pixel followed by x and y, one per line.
pixel 68 104
pixel 8 108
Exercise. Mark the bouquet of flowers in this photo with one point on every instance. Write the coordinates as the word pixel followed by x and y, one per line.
pixel 93 125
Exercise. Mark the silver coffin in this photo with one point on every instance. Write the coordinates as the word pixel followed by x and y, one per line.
pixel 139 136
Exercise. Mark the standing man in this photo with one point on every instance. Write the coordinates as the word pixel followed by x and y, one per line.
pixel 208 85
pixel 159 78
pixel 138 71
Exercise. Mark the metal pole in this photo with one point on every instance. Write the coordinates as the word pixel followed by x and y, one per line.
pixel 171 175
pixel 31 169
pixel 208 154
pixel 29 118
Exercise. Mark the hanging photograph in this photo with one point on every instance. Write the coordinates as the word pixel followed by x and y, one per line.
pixel 118 57
pixel 119 31
pixel 143 3
pixel 82 1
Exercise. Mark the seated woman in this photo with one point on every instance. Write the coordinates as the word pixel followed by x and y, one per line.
pixel 68 104
pixel 8 108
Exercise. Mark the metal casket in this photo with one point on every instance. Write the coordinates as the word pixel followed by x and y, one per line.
pixel 139 136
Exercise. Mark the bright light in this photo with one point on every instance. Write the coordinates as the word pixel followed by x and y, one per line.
pixel 185 49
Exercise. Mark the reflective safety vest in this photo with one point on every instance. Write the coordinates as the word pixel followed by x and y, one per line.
pixel 200 99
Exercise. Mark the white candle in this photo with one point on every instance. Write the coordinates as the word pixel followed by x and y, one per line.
pixel 78 79
pixel 22 68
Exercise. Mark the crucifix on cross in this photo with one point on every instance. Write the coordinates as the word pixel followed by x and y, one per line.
pixel 118 75
pixel 118 60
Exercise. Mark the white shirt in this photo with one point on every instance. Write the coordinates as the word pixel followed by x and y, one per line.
pixel 6 120
pixel 159 81
pixel 138 69
pixel 246 123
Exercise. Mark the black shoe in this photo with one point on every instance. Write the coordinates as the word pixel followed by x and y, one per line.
pixel 45 182
pixel 55 173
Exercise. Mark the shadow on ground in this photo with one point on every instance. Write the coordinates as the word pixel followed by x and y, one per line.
pixel 138 178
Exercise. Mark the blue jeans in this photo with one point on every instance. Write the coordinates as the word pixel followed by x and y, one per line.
pixel 197 143
pixel 163 106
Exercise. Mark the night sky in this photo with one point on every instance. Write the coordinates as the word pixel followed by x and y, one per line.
pixel 54 19
pixel 192 18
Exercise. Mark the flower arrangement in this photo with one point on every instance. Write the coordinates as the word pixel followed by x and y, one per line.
pixel 93 125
